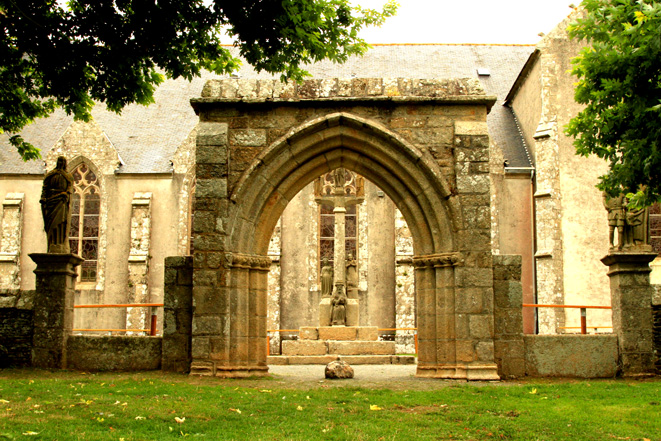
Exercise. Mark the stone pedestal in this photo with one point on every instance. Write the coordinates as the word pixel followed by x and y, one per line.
pixel 631 299
pixel 325 312
pixel 53 308
pixel 354 344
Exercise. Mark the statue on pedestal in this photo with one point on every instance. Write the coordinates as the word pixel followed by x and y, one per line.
pixel 338 307
pixel 326 278
pixel 55 207
pixel 615 208
pixel 631 224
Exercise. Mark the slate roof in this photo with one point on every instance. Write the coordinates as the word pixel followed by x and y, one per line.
pixel 146 138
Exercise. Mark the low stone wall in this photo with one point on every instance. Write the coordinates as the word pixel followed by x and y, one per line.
pixel 582 356
pixel 177 314
pixel 16 328
pixel 113 353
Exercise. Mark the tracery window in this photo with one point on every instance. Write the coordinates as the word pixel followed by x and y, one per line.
pixel 353 192
pixel 85 211
pixel 327 231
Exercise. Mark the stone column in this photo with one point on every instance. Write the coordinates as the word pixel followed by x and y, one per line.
pixel 229 325
pixel 339 252
pixel 53 308
pixel 452 344
pixel 631 300
pixel 177 314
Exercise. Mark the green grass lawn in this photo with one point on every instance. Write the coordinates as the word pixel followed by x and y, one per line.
pixel 156 406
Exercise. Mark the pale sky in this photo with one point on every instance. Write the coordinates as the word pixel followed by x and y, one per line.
pixel 468 21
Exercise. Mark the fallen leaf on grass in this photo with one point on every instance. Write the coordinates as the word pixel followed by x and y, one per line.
pixel 139 417
pixel 374 407
pixel 299 408
pixel 4 401
pixel 266 391
pixel 180 420
pixel 29 433
pixel 235 410
pixel 533 391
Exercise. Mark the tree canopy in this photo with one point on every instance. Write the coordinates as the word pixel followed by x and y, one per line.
pixel 118 51
pixel 619 74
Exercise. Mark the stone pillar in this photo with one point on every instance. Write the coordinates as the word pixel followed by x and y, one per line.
pixel 229 326
pixel 631 300
pixel 53 308
pixel 508 316
pixel 339 251
pixel 10 241
pixel 452 344
pixel 177 314
pixel 138 264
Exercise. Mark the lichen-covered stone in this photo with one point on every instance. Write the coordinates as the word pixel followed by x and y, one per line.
pixel 338 370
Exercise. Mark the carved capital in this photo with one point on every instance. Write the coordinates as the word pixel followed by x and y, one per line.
pixel 437 260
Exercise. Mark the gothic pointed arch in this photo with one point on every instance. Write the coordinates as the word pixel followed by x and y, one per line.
pixel 410 177
pixel 423 142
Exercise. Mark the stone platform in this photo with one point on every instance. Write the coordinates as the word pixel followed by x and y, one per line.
pixel 353 344
pixel 284 360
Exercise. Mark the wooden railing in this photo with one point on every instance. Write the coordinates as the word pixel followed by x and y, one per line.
pixel 152 328
pixel 583 308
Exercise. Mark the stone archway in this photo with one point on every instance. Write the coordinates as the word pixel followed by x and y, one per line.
pixel 244 183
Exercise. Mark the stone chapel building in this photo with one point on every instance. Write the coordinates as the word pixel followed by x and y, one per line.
pixel 135 184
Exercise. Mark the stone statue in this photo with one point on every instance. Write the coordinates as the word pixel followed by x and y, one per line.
pixel 352 277
pixel 326 278
pixel 55 207
pixel 635 231
pixel 615 207
pixel 339 177
pixel 631 224
pixel 338 306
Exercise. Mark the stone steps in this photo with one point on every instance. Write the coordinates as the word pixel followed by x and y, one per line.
pixel 351 359
pixel 330 347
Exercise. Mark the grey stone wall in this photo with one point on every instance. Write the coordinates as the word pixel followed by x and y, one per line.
pixel 116 353
pixel 582 356
pixel 16 328
pixel 508 317
pixel 177 314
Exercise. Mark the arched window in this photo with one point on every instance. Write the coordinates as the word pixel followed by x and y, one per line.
pixel 353 193
pixel 85 210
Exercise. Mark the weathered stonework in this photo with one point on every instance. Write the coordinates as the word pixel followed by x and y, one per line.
pixel 420 141
pixel 274 290
pixel 53 308
pixel 404 287
pixel 116 353
pixel 631 300
pixel 16 328
pixel 178 314
pixel 138 262
pixel 508 319
pixel 582 356
pixel 10 241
